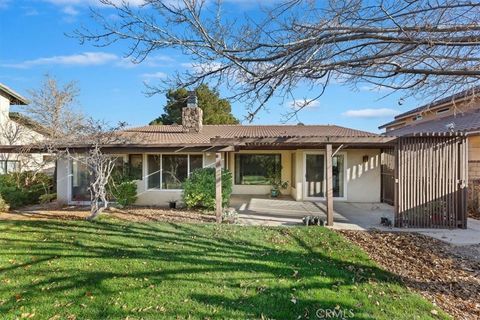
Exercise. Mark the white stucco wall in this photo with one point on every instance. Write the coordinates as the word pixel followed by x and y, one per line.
pixel 362 180
pixel 12 133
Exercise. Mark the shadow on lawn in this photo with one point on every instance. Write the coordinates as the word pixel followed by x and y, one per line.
pixel 258 278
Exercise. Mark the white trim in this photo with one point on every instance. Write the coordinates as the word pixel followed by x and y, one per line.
pixel 304 182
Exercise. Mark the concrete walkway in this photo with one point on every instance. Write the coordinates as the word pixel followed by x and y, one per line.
pixel 457 237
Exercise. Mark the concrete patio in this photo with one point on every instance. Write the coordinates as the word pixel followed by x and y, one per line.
pixel 263 210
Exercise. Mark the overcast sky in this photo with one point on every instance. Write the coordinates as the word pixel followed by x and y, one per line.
pixel 33 42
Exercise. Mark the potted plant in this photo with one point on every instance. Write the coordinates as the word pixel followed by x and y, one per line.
pixel 276 185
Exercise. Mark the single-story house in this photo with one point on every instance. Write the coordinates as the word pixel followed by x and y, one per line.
pixel 320 162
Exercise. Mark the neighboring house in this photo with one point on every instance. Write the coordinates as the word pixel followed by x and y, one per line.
pixel 457 113
pixel 320 162
pixel 16 129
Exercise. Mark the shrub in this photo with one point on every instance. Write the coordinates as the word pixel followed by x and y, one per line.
pixel 125 193
pixel 4 207
pixel 24 188
pixel 48 197
pixel 199 188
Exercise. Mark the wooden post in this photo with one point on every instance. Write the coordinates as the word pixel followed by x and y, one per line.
pixel 218 186
pixel 329 186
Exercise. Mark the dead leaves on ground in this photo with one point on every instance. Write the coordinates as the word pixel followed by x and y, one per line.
pixel 427 266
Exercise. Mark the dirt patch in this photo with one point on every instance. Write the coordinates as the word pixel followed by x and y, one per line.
pixel 137 214
pixel 427 266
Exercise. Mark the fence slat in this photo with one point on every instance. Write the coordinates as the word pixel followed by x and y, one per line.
pixel 431 173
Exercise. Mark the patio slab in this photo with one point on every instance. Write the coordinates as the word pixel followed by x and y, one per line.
pixel 263 210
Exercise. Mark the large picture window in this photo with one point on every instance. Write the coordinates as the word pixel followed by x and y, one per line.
pixel 169 171
pixel 254 169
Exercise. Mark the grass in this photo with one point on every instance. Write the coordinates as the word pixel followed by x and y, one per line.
pixel 116 270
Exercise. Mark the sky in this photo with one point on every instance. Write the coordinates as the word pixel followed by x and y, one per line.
pixel 34 41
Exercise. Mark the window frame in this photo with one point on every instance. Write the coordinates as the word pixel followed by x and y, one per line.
pixel 236 182
pixel 4 166
pixel 130 164
pixel 160 172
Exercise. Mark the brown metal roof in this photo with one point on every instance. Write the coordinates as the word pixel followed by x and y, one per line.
pixel 466 122
pixel 450 99
pixel 173 134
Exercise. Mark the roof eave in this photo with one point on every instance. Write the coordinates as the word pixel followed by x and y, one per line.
pixel 15 98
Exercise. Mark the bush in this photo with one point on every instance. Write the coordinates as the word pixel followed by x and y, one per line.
pixel 125 193
pixel 4 207
pixel 48 197
pixel 24 188
pixel 199 188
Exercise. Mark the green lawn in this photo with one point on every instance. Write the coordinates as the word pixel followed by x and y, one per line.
pixel 114 270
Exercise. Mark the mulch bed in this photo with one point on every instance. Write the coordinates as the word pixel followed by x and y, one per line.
pixel 427 266
pixel 474 214
pixel 136 214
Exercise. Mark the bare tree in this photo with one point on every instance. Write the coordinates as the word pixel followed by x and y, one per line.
pixel 89 146
pixel 52 106
pixel 423 47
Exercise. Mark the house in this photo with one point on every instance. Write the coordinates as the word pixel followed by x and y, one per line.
pixel 16 129
pixel 457 113
pixel 320 162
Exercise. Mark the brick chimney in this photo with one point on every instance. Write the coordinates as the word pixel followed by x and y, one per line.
pixel 192 115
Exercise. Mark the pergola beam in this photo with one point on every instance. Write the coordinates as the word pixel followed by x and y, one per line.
pixel 329 181
pixel 218 187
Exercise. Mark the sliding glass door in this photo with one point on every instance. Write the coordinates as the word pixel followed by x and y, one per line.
pixel 315 175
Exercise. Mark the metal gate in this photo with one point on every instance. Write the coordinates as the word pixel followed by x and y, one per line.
pixel 431 181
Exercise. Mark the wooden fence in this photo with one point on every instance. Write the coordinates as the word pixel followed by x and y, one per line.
pixel 431 182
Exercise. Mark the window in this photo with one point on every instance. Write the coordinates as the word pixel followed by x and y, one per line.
pixel 135 166
pixel 443 110
pixel 196 162
pixel 254 169
pixel 169 171
pixel 417 117
pixel 174 171
pixel 153 180
pixel 81 180
pixel 338 175
pixel 9 166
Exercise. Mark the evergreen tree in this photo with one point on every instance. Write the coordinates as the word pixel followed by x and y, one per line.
pixel 215 109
